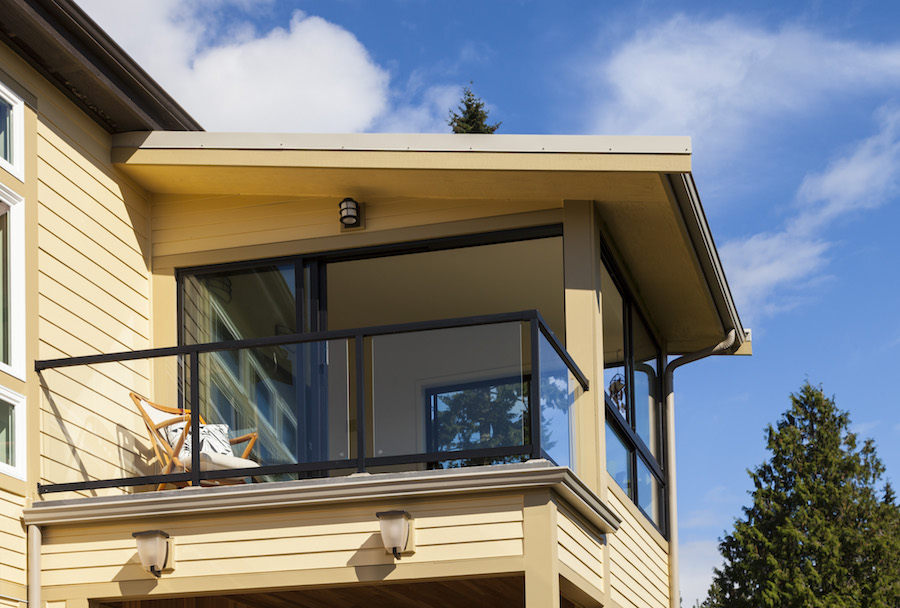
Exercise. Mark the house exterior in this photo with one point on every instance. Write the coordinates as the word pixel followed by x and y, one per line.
pixel 490 350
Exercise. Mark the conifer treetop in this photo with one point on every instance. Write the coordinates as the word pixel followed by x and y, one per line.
pixel 470 116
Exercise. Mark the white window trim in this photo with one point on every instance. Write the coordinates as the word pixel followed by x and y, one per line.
pixel 17 166
pixel 16 226
pixel 18 402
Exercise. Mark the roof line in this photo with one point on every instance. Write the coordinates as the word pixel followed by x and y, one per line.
pixel 73 53
pixel 404 142
pixel 688 199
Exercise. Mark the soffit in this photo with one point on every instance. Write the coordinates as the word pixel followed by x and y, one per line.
pixel 664 248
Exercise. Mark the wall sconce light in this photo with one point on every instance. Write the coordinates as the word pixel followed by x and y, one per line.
pixel 351 214
pixel 154 547
pixel 397 532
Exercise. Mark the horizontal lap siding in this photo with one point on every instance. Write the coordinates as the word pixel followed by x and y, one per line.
pixel 12 541
pixel 639 570
pixel 94 297
pixel 283 540
pixel 183 224
pixel 580 549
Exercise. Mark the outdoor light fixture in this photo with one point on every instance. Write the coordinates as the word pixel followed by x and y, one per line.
pixel 155 550
pixel 397 532
pixel 350 213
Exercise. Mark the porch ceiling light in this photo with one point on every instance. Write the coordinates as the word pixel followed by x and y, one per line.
pixel 154 549
pixel 349 212
pixel 397 532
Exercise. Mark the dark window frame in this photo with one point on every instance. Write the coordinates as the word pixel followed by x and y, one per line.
pixel 317 263
pixel 624 427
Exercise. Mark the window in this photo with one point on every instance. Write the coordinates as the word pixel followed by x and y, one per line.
pixel 296 396
pixel 12 289
pixel 631 364
pixel 12 433
pixel 11 129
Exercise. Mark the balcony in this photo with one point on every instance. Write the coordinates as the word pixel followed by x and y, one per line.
pixel 429 395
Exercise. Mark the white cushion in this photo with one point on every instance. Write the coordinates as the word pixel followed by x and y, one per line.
pixel 216 453
pixel 213 439
pixel 222 462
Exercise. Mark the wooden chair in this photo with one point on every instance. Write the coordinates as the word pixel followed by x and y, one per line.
pixel 159 417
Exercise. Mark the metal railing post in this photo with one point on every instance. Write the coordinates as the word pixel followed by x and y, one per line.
pixel 534 393
pixel 195 418
pixel 360 405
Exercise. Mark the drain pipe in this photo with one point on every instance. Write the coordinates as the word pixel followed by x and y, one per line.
pixel 724 346
pixel 34 566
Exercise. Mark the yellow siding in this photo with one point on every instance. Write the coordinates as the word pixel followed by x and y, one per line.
pixel 93 297
pixel 580 549
pixel 639 574
pixel 12 543
pixel 286 540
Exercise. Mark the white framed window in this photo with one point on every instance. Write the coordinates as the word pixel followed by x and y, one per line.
pixel 12 131
pixel 12 283
pixel 12 433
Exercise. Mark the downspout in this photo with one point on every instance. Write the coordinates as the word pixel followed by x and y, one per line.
pixel 34 566
pixel 724 346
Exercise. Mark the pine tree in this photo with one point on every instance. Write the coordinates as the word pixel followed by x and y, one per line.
pixel 471 116
pixel 816 535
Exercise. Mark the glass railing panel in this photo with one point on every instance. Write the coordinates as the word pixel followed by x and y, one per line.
pixel 93 430
pixel 446 390
pixel 290 402
pixel 557 394
pixel 435 398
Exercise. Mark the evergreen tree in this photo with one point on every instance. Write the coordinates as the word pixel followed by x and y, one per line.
pixel 471 116
pixel 816 535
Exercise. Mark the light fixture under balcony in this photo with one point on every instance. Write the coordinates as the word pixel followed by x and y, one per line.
pixel 397 532
pixel 154 548
pixel 351 213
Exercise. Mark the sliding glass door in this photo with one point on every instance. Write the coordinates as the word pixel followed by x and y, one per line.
pixel 279 392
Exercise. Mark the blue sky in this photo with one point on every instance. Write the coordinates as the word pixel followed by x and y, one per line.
pixel 794 110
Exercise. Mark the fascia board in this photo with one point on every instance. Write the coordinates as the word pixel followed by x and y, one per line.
pixel 685 191
pixel 415 142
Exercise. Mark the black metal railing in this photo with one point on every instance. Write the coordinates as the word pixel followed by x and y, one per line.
pixel 453 392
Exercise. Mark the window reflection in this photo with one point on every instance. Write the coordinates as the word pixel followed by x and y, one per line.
pixel 646 387
pixel 6 113
pixel 618 460
pixel 631 362
pixel 649 492
pixel 614 378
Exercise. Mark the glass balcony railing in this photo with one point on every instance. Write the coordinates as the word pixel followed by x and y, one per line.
pixel 431 395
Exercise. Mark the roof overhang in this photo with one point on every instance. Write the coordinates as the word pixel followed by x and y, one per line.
pixel 74 54
pixel 642 186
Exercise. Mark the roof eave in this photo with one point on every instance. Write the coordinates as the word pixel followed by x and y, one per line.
pixel 73 53
pixel 701 237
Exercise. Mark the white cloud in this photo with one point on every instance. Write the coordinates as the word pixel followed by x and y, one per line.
pixel 722 81
pixel 865 179
pixel 428 116
pixel 783 262
pixel 308 76
pixel 766 264
pixel 696 560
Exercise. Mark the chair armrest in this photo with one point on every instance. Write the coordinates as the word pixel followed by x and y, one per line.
pixel 251 437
